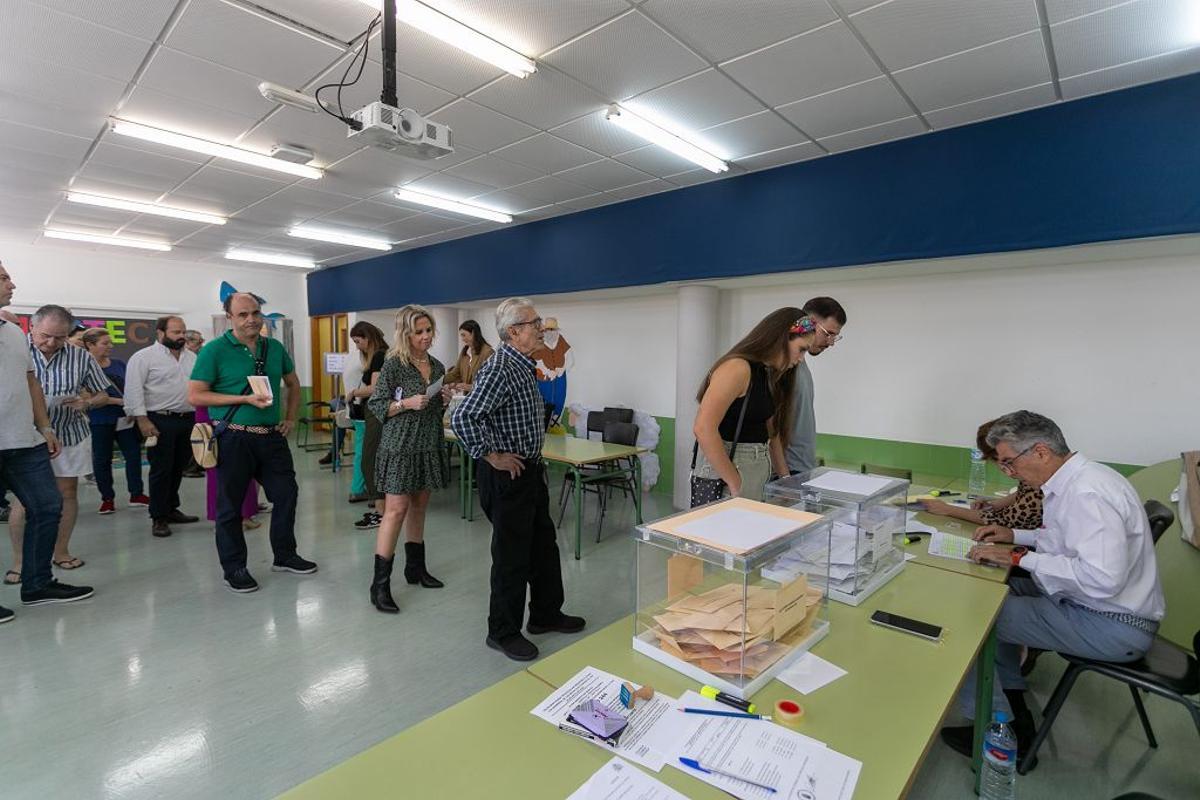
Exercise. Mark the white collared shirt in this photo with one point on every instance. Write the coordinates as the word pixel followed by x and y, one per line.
pixel 17 430
pixel 1094 546
pixel 157 381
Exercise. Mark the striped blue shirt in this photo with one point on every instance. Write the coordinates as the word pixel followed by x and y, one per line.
pixel 504 412
pixel 65 374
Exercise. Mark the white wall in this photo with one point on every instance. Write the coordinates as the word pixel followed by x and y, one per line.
pixel 87 279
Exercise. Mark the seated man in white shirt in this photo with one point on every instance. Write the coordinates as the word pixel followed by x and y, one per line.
pixel 1093 589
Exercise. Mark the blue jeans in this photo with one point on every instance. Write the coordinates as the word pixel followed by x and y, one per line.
pixel 130 443
pixel 26 471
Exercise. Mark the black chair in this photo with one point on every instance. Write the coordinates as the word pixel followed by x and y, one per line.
pixel 613 433
pixel 614 414
pixel 1160 517
pixel 887 472
pixel 625 433
pixel 595 423
pixel 304 425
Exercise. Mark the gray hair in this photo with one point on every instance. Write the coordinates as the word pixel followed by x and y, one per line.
pixel 509 313
pixel 1023 429
pixel 192 336
pixel 53 312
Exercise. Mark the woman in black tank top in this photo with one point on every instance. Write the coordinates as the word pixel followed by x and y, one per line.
pixel 746 404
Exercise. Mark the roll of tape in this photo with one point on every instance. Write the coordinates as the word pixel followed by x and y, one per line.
pixel 788 712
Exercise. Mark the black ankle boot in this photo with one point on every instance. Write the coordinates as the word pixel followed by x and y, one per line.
pixel 414 566
pixel 381 586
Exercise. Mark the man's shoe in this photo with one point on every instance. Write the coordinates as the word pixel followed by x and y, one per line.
pixel 326 459
pixel 180 518
pixel 369 520
pixel 139 500
pixel 294 563
pixel 960 738
pixel 564 624
pixel 241 581
pixel 6 615
pixel 358 498
pixel 193 472
pixel 516 647
pixel 55 592
pixel 160 528
pixel 106 507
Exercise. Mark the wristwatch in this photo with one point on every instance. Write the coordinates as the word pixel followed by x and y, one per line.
pixel 1017 553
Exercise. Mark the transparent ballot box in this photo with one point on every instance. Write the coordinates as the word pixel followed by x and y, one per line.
pixel 862 555
pixel 706 608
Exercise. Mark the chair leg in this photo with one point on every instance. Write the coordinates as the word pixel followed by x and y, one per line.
pixel 562 503
pixel 1141 710
pixel 1048 715
pixel 602 501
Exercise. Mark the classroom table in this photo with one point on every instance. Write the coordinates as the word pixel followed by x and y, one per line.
pixel 958 527
pixel 888 708
pixel 1178 561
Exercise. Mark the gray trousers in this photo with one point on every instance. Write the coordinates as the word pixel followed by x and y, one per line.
pixel 1032 619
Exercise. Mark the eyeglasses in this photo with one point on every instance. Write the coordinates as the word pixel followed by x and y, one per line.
pixel 832 337
pixel 1006 464
pixel 536 322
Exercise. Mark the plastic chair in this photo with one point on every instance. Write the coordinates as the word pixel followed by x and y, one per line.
pixel 1160 517
pixel 595 423
pixel 888 472
pixel 615 414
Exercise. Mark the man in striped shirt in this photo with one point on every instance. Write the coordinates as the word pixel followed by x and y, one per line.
pixel 72 383
pixel 502 425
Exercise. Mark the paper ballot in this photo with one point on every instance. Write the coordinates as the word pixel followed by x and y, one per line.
pixel 260 386
pixel 433 389
pixel 620 780
pixel 849 482
pixel 947 545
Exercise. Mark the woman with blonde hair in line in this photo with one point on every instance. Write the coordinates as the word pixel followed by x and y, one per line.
pixel 411 461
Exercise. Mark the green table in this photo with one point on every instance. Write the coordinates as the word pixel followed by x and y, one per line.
pixel 958 527
pixel 886 711
pixel 1178 561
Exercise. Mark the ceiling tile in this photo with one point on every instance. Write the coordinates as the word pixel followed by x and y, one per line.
pixel 1008 103
pixel 63 99
pixel 435 62
pixel 693 177
pixel 304 247
pixel 550 189
pixel 605 175
pixel 138 160
pixel 531 26
pixel 597 134
pixel 54 168
pixel 1126 33
pixel 589 201
pixel 509 202
pixel 654 160
pixel 229 35
pixel 907 32
pixel 141 18
pixel 858 106
pixel 176 113
pixel 345 21
pixel 170 230
pixel 422 225
pixel 105 179
pixel 366 215
pixel 983 72
pixel 750 135
pixel 626 57
pixel 198 81
pixel 826 59
pixel 293 205
pixel 1059 10
pixel 493 171
pixel 445 185
pixel 721 29
pixel 481 128
pixel 543 99
pixel 410 92
pixel 897 129
pixel 1151 69
pixel 699 101
pixel 547 153
pixel 320 133
pixel 72 217
pixel 37 140
pixel 371 171
pixel 784 155
pixel 227 188
pixel 640 190
pixel 44 35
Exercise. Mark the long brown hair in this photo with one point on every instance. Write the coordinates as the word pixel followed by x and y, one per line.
pixel 375 341
pixel 767 343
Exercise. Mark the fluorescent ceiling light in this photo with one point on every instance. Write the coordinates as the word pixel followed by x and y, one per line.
pixel 453 32
pixel 185 142
pixel 95 238
pixel 664 139
pixel 288 97
pixel 144 208
pixel 452 205
pixel 263 257
pixel 339 237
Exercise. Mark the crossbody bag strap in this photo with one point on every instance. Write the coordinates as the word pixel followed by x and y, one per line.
pixel 233 409
pixel 737 432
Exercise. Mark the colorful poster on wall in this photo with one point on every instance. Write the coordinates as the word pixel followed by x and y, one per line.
pixel 554 358
pixel 128 334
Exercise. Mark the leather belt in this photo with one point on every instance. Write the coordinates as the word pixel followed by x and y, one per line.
pixel 260 430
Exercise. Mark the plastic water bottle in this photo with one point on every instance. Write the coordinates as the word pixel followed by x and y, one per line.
pixel 999 780
pixel 977 479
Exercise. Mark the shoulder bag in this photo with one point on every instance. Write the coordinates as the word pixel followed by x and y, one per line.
pixel 709 490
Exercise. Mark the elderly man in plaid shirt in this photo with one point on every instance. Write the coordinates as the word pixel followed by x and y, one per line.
pixel 502 425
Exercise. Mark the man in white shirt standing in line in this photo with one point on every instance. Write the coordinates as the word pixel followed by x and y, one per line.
pixel 156 395
pixel 1093 589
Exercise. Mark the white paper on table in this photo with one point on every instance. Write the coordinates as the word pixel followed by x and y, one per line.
pixel 947 545
pixel 796 766
pixel 917 527
pixel 642 739
pixel 848 482
pixel 618 780
pixel 260 385
pixel 434 388
pixel 909 556
pixel 739 529
pixel 809 673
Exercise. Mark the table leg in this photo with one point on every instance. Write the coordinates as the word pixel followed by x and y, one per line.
pixel 985 663
pixel 462 481
pixel 470 486
pixel 637 487
pixel 578 491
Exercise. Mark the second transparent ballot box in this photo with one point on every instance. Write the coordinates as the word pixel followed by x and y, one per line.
pixel 862 555
pixel 705 605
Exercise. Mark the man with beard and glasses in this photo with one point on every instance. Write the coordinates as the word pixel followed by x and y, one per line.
pixel 829 318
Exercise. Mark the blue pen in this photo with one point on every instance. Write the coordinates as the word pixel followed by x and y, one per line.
pixel 694 764
pixel 711 713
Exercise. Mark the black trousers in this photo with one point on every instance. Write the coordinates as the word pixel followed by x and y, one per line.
pixel 267 459
pixel 524 548
pixel 168 459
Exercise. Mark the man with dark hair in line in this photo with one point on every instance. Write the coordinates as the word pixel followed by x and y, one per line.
pixel 830 318
pixel 254 444
pixel 156 388
pixel 27 445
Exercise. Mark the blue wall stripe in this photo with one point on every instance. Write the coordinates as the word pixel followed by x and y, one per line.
pixel 1115 166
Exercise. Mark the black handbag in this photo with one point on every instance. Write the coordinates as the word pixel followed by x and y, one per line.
pixel 709 490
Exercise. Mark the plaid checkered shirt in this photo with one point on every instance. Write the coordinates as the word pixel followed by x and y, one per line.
pixel 504 412
pixel 65 374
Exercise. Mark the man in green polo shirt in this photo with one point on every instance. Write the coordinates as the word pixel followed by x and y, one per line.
pixel 254 445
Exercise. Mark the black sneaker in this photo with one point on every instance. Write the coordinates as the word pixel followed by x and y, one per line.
pixel 369 520
pixel 294 563
pixel 241 581
pixel 6 615
pixel 516 647
pixel 55 592
pixel 564 624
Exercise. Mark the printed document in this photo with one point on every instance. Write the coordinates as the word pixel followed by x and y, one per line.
pixel 618 780
pixel 947 545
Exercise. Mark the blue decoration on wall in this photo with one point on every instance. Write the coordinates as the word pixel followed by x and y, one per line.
pixel 228 289
pixel 1114 166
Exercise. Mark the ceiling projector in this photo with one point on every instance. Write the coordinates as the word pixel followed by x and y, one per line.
pixel 400 130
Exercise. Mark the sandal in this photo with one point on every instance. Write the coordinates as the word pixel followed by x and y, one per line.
pixel 73 562
pixel 12 578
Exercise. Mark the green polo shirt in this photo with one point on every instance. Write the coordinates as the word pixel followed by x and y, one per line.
pixel 225 363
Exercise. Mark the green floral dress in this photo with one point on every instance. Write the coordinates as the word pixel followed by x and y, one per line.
pixel 412 453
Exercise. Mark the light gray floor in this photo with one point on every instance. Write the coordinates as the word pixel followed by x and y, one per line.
pixel 167 685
